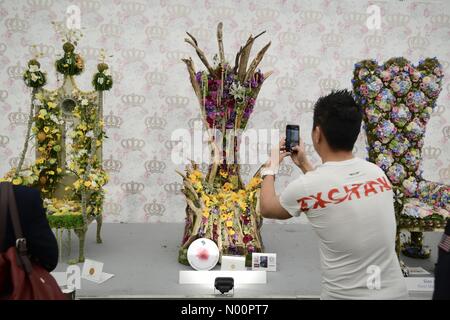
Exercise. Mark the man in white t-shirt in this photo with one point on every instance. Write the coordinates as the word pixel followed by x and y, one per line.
pixel 347 200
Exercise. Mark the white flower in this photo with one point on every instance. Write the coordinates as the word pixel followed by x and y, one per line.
pixel 237 91
pixel 90 134
pixel 33 68
pixel 107 72
pixel 37 102
pixel 34 77
pixel 100 80
pixel 84 102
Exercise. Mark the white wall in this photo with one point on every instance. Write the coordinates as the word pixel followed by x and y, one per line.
pixel 314 45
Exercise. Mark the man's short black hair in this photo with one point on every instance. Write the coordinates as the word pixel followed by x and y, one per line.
pixel 339 118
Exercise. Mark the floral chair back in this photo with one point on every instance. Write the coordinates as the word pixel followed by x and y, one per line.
pixel 398 99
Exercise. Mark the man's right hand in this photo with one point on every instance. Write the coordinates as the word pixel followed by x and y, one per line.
pixel 299 157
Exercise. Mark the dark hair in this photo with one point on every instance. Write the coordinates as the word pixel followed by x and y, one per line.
pixel 339 118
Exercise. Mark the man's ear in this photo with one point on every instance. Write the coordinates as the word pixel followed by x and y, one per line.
pixel 316 135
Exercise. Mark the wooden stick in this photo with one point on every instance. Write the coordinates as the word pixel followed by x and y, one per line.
pixel 256 62
pixel 190 66
pixel 220 42
pixel 244 56
pixel 200 54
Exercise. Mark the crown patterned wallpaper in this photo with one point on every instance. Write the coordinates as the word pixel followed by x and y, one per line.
pixel 314 47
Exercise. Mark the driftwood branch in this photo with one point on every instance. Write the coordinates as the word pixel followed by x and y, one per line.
pixel 200 53
pixel 256 62
pixel 220 43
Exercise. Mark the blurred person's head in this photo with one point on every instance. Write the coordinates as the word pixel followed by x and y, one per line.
pixel 336 123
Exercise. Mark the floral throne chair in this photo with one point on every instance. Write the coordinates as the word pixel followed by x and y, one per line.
pixel 66 124
pixel 398 99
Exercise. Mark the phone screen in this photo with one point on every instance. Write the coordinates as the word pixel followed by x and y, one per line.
pixel 292 136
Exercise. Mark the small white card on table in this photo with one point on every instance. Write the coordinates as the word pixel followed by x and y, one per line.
pixel 92 270
pixel 420 283
pixel 233 263
pixel 264 261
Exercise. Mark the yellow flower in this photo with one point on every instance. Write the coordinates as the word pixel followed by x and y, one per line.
pixel 223 173
pixel 231 232
pixel 223 208
pixel 227 187
pixel 87 184
pixel 206 213
pixel 254 182
pixel 59 170
pixel 229 223
pixel 197 173
pixel 51 105
pixel 17 181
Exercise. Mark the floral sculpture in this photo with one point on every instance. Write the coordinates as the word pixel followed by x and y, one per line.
pixel 398 99
pixel 67 172
pixel 219 206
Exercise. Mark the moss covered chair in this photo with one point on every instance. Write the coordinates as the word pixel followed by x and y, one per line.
pixel 398 99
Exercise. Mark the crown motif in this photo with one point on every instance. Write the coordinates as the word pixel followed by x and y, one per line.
pixel 155 166
pixel 132 187
pixel 16 24
pixel 155 122
pixel 444 174
pixel 170 144
pixel 440 20
pixel 89 5
pixel 4 140
pixel 285 170
pixel 18 118
pixel 45 50
pixel 280 124
pixel 397 20
pixel 112 121
pixel 156 78
pixel 304 106
pixel 286 82
pixel 418 42
pixel 3 95
pixel 288 37
pixel 173 188
pixel 267 14
pixel 112 165
pixel 193 121
pixel 309 17
pixel 332 39
pixel 15 71
pixel 269 60
pixel 201 33
pixel 176 56
pixel 177 101
pixel 112 208
pixel 14 162
pixel 133 100
pixel 438 110
pixel 354 18
pixel 156 32
pixel 375 41
pixel 36 5
pixel 328 84
pixel 3 48
pixel 348 62
pixel 265 104
pixel 154 209
pixel 309 62
pixel 446 132
pixel 133 144
pixel 224 12
pixel 133 8
pixel 178 10
pixel 133 54
pixel 431 153
pixel 245 169
pixel 111 30
pixel 90 53
pixel 117 76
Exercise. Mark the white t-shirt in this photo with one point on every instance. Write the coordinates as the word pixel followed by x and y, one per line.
pixel 350 206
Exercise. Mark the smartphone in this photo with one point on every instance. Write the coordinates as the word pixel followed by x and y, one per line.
pixel 292 136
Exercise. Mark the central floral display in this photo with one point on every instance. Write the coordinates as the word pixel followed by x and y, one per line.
pixel 219 206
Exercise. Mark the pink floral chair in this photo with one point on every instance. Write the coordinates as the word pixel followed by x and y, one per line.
pixel 398 99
